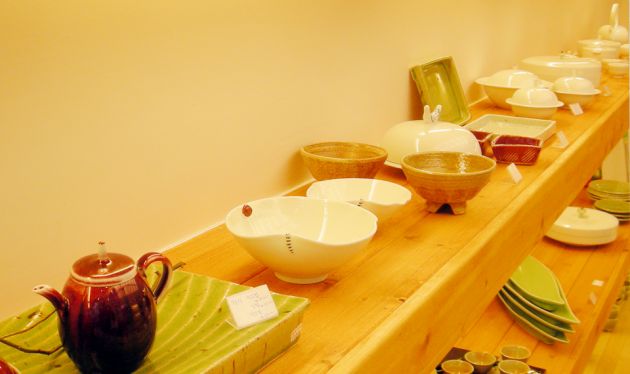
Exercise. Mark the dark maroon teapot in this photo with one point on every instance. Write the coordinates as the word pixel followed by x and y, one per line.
pixel 107 311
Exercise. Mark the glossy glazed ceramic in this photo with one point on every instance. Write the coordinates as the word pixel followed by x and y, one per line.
pixel 515 352
pixel 438 84
pixel 107 311
pixel 537 282
pixel 575 90
pixel 516 149
pixel 503 84
pixel 551 68
pixel 513 367
pixel 599 48
pixel 482 362
pixel 380 197
pixel 332 160
pixel 584 227
pixel 456 367
pixel 618 69
pixel 538 317
pixel 450 178
pixel 301 239
pixel 517 126
pixel 420 136
pixel 563 313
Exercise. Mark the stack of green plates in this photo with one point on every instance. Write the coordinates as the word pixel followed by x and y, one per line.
pixel 609 189
pixel 618 208
pixel 534 297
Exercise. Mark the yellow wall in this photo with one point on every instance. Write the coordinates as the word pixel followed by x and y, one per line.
pixel 142 123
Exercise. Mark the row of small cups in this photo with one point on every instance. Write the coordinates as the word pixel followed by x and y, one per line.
pixel 513 361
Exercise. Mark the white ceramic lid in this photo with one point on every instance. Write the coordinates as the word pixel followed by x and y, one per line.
pixel 584 226
pixel 535 98
pixel 599 43
pixel 513 78
pixel 574 85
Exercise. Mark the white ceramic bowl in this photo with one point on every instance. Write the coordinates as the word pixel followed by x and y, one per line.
pixel 539 103
pixel 618 69
pixel 419 136
pixel 380 197
pixel 599 48
pixel 553 67
pixel 572 90
pixel 501 85
pixel 301 239
pixel 584 227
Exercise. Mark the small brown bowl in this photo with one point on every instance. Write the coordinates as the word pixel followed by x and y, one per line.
pixel 447 177
pixel 333 160
pixel 484 139
pixel 520 150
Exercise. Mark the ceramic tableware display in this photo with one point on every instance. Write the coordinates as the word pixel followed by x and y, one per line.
pixel 496 124
pixel 613 30
pixel 380 197
pixel 107 310
pixel 599 48
pixel 482 362
pixel 513 367
pixel 438 84
pixel 456 367
pixel 551 68
pixel 301 239
pixel 501 85
pixel 515 352
pixel 450 178
pixel 429 134
pixel 534 297
pixel 519 150
pixel 343 160
pixel 535 102
pixel 608 189
pixel 618 208
pixel 584 227
pixel 618 69
pixel 576 90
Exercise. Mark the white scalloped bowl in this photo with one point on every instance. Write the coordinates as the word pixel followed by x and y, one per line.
pixel 301 239
pixel 501 85
pixel 572 90
pixel 380 197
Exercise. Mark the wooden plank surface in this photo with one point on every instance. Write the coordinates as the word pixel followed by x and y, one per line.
pixel 426 278
pixel 576 269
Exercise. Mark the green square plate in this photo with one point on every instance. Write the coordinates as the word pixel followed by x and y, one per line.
pixel 438 84
pixel 193 335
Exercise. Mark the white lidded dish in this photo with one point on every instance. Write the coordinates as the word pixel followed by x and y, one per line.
pixel 577 90
pixel 553 67
pixel 501 85
pixel 535 102
pixel 427 135
pixel 584 227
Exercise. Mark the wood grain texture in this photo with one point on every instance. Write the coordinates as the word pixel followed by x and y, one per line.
pixel 426 278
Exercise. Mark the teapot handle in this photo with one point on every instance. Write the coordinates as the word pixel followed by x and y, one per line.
pixel 167 269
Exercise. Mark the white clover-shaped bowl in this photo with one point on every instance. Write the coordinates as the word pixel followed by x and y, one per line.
pixel 301 239
pixel 501 85
pixel 577 90
pixel 380 197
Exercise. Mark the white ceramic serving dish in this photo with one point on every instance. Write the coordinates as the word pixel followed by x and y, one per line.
pixel 553 67
pixel 427 135
pixel 508 125
pixel 600 53
pixel 534 102
pixel 380 197
pixel 501 85
pixel 584 227
pixel 618 69
pixel 601 44
pixel 301 239
pixel 577 90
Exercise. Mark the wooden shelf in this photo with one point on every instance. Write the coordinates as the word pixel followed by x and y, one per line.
pixel 576 269
pixel 425 279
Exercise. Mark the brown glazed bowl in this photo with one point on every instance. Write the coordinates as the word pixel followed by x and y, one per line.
pixel 520 150
pixel 333 160
pixel 450 178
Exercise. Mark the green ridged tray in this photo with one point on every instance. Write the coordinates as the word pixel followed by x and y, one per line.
pixel 193 335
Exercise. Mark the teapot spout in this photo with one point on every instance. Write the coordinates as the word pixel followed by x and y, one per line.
pixel 56 299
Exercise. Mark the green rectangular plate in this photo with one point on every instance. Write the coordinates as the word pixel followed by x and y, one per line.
pixel 193 335
pixel 438 83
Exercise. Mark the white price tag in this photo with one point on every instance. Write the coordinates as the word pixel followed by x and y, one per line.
pixel 562 141
pixel 251 307
pixel 514 173
pixel 593 298
pixel 576 109
pixel 598 283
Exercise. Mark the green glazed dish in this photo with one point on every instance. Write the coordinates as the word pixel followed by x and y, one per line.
pixel 193 333
pixel 536 282
pixel 540 318
pixel 616 207
pixel 438 84
pixel 562 314
pixel 610 187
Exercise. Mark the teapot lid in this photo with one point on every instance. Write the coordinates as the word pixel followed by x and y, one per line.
pixel 103 268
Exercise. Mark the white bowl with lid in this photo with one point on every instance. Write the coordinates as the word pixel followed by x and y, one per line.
pixel 534 103
pixel 553 67
pixel 599 48
pixel 501 85
pixel 584 227
pixel 575 90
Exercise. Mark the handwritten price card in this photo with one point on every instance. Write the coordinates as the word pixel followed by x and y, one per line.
pixel 251 307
